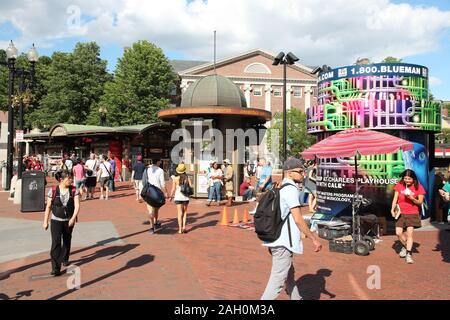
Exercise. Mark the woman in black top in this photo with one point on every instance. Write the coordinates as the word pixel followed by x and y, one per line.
pixel 64 204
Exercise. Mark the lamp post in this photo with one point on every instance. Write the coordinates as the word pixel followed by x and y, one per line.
pixel 285 60
pixel 32 57
pixel 103 112
pixel 11 56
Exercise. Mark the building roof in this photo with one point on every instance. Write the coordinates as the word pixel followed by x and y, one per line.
pixel 66 129
pixel 207 66
pixel 181 65
pixel 213 91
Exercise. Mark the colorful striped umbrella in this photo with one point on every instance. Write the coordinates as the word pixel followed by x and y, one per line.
pixel 349 142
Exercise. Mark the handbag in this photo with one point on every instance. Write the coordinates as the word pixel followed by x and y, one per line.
pixel 186 189
pixel 153 195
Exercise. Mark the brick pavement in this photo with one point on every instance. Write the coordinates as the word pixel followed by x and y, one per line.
pixel 213 262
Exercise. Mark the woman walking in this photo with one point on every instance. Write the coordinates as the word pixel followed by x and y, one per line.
pixel 179 190
pixel 408 199
pixel 64 204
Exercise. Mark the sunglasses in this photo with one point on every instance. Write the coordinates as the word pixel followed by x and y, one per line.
pixel 298 171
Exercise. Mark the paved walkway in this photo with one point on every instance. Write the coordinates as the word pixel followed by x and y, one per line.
pixel 118 259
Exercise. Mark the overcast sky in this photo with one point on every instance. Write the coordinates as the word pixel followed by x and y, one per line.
pixel 333 32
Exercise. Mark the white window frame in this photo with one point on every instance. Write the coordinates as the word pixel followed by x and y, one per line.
pixel 276 91
pixel 257 89
pixel 297 90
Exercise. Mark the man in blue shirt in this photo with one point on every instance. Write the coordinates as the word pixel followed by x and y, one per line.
pixel 112 161
pixel 265 180
pixel 282 249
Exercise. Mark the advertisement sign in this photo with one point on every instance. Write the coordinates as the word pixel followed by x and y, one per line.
pixel 375 96
pixel 377 176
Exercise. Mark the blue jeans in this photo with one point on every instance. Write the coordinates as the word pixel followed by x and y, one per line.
pixel 111 185
pixel 248 194
pixel 214 192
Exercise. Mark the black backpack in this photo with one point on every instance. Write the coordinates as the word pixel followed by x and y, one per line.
pixel 268 221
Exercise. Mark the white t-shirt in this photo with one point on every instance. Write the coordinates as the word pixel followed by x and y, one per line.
pixel 289 198
pixel 217 172
pixel 258 172
pixel 155 177
pixel 92 165
pixel 105 166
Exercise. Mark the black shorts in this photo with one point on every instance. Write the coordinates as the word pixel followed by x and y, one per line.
pixel 182 202
pixel 91 182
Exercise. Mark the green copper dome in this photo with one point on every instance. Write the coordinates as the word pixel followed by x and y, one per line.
pixel 213 91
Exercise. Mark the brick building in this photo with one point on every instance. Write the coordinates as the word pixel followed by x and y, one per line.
pixel 261 82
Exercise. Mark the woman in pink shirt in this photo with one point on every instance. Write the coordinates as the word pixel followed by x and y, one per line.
pixel 80 177
pixel 408 199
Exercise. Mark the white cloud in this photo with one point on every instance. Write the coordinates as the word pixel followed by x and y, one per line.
pixel 318 31
pixel 434 82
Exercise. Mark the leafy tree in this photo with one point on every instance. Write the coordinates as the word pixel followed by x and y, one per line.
pixel 74 83
pixel 141 87
pixel 298 138
pixel 360 61
pixel 392 60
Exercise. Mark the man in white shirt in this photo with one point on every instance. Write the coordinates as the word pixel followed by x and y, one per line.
pixel 91 167
pixel 155 176
pixel 104 175
pixel 282 249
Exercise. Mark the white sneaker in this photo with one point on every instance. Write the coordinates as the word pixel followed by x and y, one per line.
pixel 101 198
pixel 252 212
pixel 106 198
pixel 409 259
pixel 402 253
pixel 252 199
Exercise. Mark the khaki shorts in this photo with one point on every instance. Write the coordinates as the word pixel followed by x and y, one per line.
pixel 408 220
pixel 138 185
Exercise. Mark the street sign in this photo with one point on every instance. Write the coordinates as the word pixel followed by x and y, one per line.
pixel 19 136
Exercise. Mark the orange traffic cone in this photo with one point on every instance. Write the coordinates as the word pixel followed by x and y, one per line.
pixel 236 217
pixel 224 221
pixel 245 218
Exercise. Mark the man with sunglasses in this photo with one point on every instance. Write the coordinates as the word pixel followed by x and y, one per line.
pixel 282 249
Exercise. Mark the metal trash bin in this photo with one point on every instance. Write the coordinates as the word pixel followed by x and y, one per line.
pixel 33 191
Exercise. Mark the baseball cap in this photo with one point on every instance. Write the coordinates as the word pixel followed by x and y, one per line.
pixel 292 163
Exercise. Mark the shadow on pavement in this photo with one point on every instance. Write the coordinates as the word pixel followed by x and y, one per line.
pixel 444 245
pixel 114 251
pixel 135 263
pixel 311 286
pixel 19 295
pixel 397 246
pixel 171 225
pixel 5 275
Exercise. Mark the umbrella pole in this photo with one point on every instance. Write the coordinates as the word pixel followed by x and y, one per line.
pixel 354 199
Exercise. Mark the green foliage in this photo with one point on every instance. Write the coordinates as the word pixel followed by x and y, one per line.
pixel 298 138
pixel 392 60
pixel 141 87
pixel 71 85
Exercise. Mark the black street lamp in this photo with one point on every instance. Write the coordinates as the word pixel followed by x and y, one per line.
pixel 283 59
pixel 11 56
pixel 32 57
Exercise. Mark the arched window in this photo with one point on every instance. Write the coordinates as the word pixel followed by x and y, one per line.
pixel 257 68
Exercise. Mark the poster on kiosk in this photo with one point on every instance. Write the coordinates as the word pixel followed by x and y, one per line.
pixel 389 97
